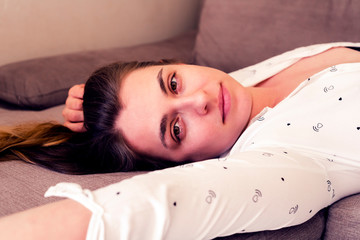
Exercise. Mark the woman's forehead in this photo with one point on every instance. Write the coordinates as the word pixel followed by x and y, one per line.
pixel 140 117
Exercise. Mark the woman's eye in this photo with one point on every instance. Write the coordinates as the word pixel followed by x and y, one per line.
pixel 177 131
pixel 174 83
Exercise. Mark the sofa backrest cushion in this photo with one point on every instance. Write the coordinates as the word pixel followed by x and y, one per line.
pixel 44 82
pixel 237 33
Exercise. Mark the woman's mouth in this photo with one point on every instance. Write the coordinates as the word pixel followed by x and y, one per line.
pixel 224 102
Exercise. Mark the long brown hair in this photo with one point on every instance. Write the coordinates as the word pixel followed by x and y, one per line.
pixel 101 148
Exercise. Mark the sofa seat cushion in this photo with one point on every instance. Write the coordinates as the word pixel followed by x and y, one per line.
pixel 24 184
pixel 344 219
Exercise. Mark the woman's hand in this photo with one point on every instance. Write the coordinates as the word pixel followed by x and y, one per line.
pixel 73 111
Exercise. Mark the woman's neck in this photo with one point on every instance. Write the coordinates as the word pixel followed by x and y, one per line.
pixel 263 97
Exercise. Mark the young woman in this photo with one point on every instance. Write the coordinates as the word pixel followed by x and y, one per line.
pixel 282 139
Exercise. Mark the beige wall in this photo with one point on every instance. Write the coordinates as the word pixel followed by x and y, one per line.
pixel 35 28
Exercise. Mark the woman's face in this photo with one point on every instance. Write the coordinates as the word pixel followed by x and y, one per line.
pixel 182 112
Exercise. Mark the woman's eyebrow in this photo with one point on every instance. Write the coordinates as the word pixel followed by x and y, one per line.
pixel 164 119
pixel 161 82
pixel 163 125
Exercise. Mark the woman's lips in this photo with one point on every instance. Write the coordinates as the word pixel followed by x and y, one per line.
pixel 224 102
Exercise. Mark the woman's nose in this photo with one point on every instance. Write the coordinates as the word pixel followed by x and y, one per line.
pixel 199 102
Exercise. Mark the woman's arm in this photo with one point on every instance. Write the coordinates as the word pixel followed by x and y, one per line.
pixel 61 220
pixel 219 197
pixel 203 200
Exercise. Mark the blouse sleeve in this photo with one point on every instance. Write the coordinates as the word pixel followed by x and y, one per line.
pixel 218 197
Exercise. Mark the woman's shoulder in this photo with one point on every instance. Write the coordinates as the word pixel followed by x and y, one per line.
pixel 255 74
pixel 289 78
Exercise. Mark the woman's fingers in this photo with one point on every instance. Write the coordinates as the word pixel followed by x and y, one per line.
pixel 74 120
pixel 74 103
pixel 75 127
pixel 75 96
pixel 73 113
pixel 77 91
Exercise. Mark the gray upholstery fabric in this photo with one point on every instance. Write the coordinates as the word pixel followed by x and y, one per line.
pixel 344 219
pixel 11 116
pixel 23 185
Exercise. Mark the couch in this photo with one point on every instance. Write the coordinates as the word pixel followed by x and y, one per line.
pixel 230 34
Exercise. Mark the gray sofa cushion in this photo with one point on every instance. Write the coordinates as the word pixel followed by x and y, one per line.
pixel 234 34
pixel 344 219
pixel 44 82
pixel 24 184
